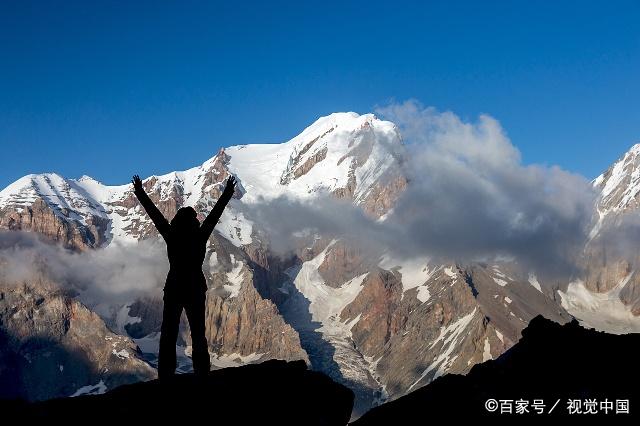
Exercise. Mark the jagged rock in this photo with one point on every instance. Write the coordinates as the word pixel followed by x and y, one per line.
pixel 465 318
pixel 246 324
pixel 52 346
pixel 294 169
pixel 342 263
pixel 55 225
pixel 609 264
pixel 271 393
pixel 148 310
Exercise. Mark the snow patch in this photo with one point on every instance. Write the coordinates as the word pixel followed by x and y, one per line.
pixel 486 354
pixel 235 277
pixel 423 293
pixel 235 227
pixel 450 272
pixel 234 360
pixel 500 281
pixel 533 280
pixel 123 319
pixel 122 354
pixel 326 303
pixel 415 274
pixel 449 336
pixel 97 389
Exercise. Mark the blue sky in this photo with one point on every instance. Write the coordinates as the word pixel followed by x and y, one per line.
pixel 115 88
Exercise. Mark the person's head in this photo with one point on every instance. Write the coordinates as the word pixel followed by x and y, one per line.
pixel 186 219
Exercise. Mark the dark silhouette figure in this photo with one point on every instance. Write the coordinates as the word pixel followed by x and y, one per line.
pixel 186 285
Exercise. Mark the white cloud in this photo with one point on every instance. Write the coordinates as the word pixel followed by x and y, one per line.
pixel 117 273
pixel 469 197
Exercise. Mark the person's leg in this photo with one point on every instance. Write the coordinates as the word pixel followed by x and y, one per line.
pixel 195 308
pixel 168 335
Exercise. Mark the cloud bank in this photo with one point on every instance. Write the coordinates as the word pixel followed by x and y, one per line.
pixel 115 274
pixel 469 198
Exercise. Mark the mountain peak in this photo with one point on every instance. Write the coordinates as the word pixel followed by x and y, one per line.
pixel 620 185
pixel 635 149
pixel 88 179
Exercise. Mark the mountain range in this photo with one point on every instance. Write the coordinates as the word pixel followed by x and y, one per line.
pixel 378 321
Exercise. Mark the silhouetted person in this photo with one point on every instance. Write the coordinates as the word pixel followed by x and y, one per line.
pixel 186 285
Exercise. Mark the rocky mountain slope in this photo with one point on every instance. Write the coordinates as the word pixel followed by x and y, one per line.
pixel 607 295
pixel 382 325
pixel 52 345
pixel 549 367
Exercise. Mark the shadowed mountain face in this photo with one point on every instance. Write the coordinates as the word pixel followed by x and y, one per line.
pixel 52 346
pixel 551 362
pixel 271 393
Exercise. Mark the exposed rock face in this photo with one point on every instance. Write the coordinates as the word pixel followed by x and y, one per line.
pixel 57 225
pixel 295 169
pixel 619 184
pixel 82 214
pixel 381 198
pixel 610 262
pixel 630 295
pixel 342 263
pixel 149 312
pixel 239 321
pixel 310 162
pixel 377 304
pixel 53 346
pixel 247 324
pixel 466 319
pixel 602 272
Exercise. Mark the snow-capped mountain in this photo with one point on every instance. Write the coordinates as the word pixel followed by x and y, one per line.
pixel 619 185
pixel 607 296
pixel 350 156
pixel 344 154
pixel 384 326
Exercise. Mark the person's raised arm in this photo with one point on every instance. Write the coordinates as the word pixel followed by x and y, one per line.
pixel 158 219
pixel 212 219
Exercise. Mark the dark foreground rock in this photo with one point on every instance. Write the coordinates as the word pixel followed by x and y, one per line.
pixel 552 363
pixel 270 393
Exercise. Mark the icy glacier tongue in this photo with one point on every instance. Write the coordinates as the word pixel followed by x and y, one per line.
pixel 313 309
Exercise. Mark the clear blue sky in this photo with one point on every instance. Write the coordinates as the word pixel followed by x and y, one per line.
pixel 115 88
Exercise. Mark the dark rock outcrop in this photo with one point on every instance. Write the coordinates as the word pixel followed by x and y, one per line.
pixel 551 362
pixel 271 393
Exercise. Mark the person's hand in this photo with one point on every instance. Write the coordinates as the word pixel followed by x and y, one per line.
pixel 230 187
pixel 137 182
